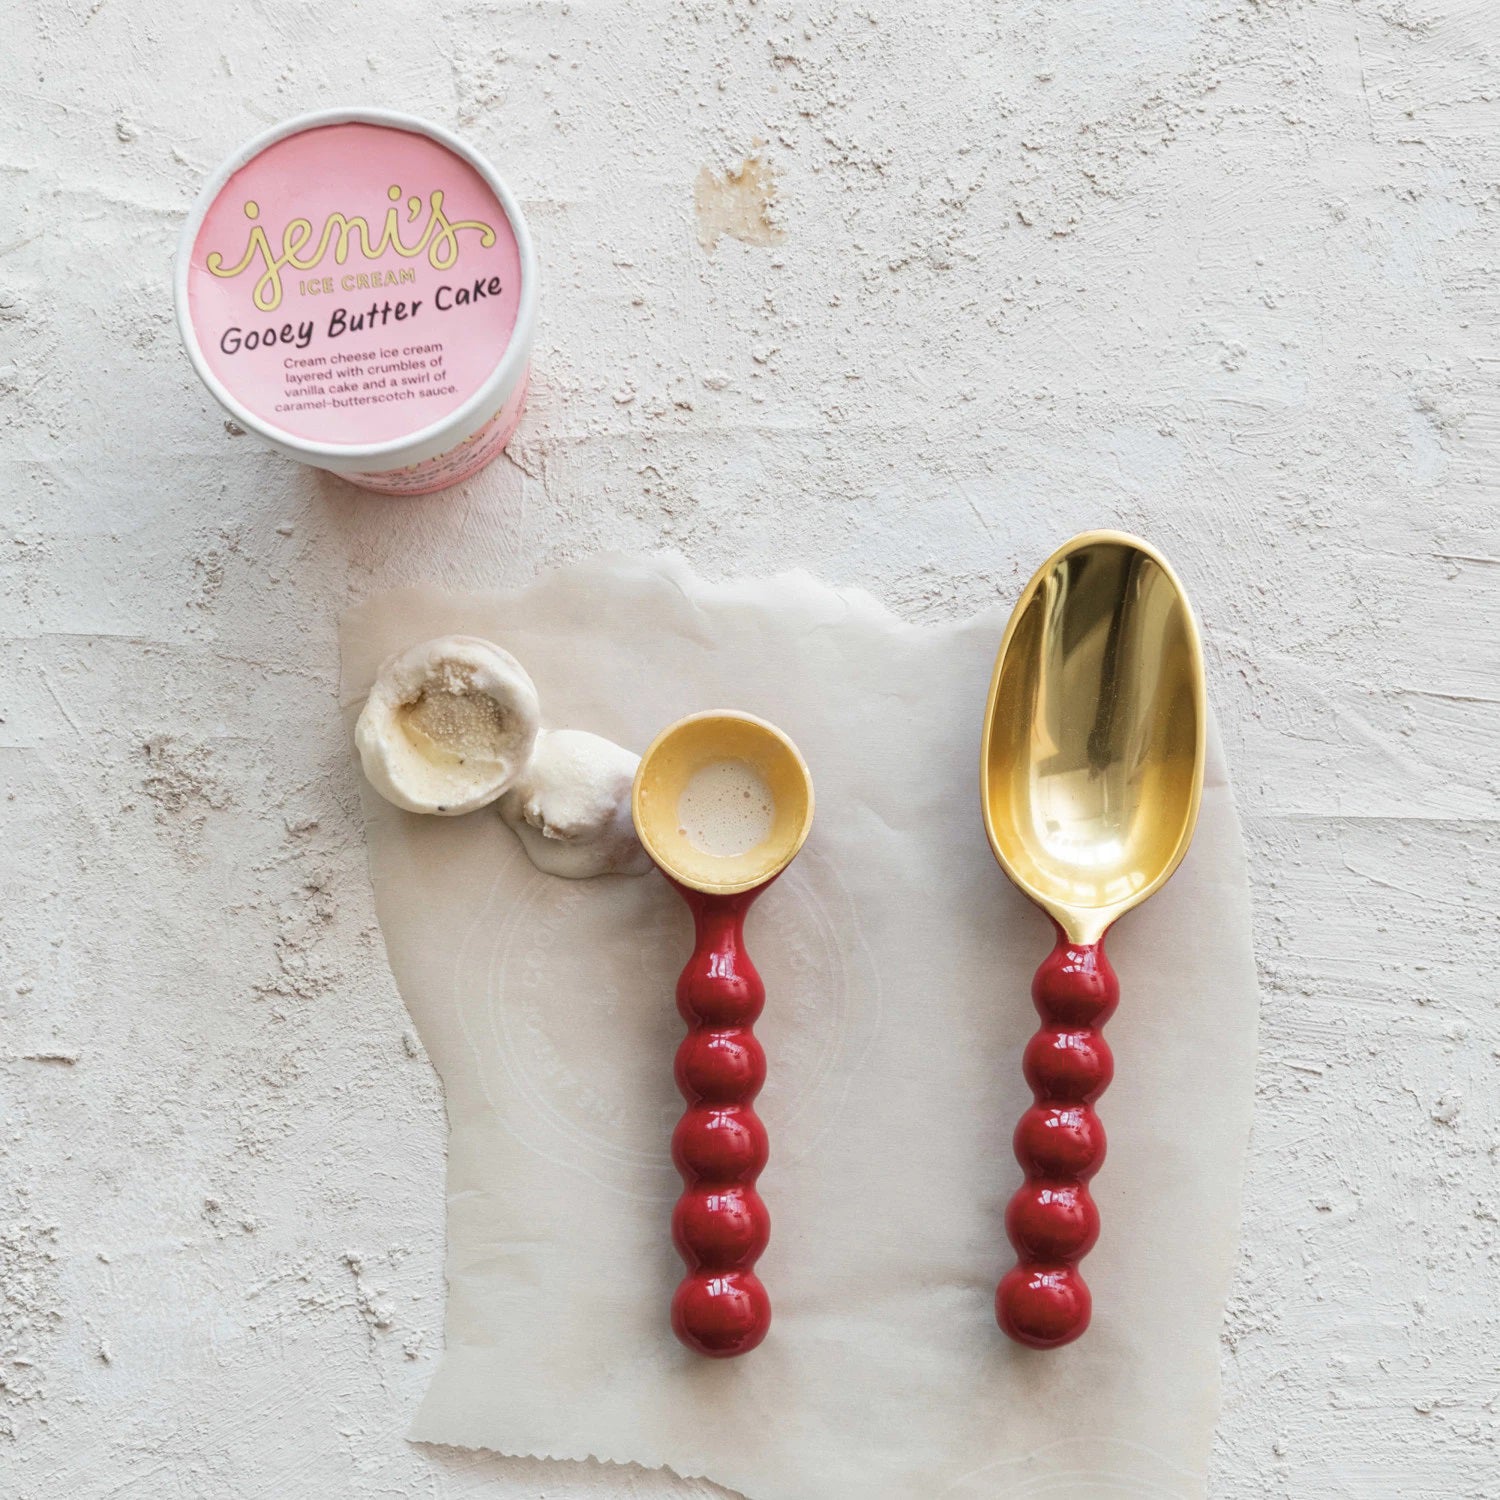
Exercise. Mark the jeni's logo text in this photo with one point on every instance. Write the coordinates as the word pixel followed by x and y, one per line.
pixel 303 248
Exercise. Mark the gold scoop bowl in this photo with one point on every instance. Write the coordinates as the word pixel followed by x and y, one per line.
pixel 1090 777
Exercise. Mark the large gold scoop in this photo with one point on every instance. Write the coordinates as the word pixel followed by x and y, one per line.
pixel 1090 778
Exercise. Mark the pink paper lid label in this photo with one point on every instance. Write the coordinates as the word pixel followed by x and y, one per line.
pixel 354 283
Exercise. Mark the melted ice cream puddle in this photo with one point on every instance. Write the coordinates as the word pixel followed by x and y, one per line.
pixel 571 807
pixel 726 809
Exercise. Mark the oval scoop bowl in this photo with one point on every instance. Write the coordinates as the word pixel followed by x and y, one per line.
pixel 1092 767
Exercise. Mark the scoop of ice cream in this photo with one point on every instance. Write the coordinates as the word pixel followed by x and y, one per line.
pixel 448 726
pixel 571 807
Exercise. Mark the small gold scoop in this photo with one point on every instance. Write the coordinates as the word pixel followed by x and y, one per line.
pixel 723 801
pixel 1090 778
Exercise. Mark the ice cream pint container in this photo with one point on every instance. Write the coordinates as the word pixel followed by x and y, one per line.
pixel 359 289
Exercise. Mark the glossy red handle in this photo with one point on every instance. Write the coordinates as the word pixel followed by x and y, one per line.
pixel 1051 1219
pixel 720 1225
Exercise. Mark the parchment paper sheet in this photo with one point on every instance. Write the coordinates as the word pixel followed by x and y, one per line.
pixel 898 962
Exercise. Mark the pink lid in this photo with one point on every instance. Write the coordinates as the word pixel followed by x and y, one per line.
pixel 353 283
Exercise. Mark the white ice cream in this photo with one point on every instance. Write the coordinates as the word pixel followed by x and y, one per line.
pixel 454 724
pixel 571 807
pixel 448 726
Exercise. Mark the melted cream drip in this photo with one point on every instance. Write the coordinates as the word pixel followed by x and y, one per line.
pixel 571 807
pixel 726 809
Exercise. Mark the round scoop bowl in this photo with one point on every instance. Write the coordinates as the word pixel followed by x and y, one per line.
pixel 683 749
pixel 1090 778
pixel 720 1224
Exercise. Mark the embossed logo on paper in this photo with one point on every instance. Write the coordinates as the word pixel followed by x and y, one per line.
pixel 586 1047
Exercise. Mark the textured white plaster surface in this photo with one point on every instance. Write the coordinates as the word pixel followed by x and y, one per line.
pixel 1216 270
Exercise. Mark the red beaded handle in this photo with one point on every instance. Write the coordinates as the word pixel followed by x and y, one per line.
pixel 1051 1220
pixel 720 1225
